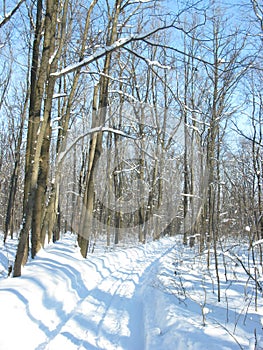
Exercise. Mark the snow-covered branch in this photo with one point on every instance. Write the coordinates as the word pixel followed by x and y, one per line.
pixel 122 42
pixel 122 93
pixel 123 80
pixel 63 154
pixel 157 64
pixel 139 1
pixel 10 14
pixel 97 55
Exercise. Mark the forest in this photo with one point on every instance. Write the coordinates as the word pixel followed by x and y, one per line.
pixel 130 120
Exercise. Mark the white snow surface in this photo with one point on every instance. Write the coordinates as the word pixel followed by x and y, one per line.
pixel 157 296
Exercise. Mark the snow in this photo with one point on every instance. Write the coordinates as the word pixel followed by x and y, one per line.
pixel 157 64
pixel 149 297
pixel 51 59
pixel 139 1
pixel 58 96
pixel 260 241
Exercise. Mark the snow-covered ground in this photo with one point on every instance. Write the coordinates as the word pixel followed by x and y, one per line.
pixel 158 296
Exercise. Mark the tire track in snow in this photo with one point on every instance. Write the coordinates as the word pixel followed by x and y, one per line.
pixel 111 316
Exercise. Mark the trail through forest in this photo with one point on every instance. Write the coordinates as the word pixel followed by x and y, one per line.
pixel 111 316
pixel 152 296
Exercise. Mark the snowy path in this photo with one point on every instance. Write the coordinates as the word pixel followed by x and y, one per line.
pixel 127 299
pixel 111 316
pixel 108 293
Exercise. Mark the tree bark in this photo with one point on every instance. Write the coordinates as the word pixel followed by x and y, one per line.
pixel 36 126
pixel 96 141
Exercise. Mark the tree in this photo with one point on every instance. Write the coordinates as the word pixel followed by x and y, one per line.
pixel 44 62
pixel 100 102
pixel 10 217
pixel 87 62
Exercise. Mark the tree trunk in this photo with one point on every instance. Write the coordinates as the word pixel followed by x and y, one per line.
pixel 36 126
pixel 51 213
pixel 96 139
pixel 9 220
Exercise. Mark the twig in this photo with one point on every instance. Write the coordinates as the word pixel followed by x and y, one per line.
pixel 235 339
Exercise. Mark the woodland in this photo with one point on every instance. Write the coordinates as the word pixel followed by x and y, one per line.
pixel 129 120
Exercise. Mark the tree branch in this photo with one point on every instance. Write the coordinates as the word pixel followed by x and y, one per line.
pixel 11 13
pixel 122 42
pixel 63 154
pixel 258 12
pixel 241 133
